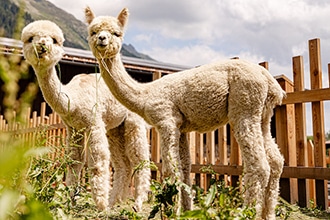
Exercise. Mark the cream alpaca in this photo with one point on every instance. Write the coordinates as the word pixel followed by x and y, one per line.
pixel 86 103
pixel 200 99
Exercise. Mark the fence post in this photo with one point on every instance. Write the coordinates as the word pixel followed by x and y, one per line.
pixel 155 139
pixel 286 140
pixel 300 119
pixel 192 149
pixel 210 154
pixel 222 149
pixel 199 151
pixel 318 120
pixel 235 157
pixel 311 163
pixel 42 112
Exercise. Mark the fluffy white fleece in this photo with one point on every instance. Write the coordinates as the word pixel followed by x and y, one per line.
pixel 86 104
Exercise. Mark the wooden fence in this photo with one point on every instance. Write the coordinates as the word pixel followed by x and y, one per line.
pixel 305 174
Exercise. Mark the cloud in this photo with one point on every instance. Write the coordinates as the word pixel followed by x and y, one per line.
pixel 271 30
pixel 144 38
pixel 191 32
pixel 193 55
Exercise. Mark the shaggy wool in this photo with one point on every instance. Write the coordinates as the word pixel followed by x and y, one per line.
pixel 87 106
pixel 199 99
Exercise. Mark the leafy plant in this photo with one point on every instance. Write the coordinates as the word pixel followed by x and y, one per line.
pixel 220 202
pixel 130 214
pixel 165 194
pixel 17 198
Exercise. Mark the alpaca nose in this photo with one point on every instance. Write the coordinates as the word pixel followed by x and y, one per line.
pixel 102 38
pixel 43 41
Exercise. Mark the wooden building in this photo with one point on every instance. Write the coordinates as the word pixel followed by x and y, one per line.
pixel 76 61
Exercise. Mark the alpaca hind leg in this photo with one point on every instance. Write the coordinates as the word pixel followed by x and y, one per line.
pixel 246 100
pixel 137 151
pixel 271 195
pixel 99 162
pixel 256 167
pixel 276 162
pixel 186 169
pixel 120 163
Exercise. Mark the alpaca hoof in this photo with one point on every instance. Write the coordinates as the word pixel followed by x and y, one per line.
pixel 112 202
pixel 138 205
pixel 270 217
pixel 101 204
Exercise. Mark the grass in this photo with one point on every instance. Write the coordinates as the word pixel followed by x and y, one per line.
pixel 32 187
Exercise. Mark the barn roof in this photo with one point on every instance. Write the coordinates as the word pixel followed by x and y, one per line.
pixel 12 46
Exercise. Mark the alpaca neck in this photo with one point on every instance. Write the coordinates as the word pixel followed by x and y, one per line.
pixel 51 86
pixel 126 90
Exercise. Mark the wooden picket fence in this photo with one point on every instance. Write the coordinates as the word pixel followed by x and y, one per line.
pixel 305 175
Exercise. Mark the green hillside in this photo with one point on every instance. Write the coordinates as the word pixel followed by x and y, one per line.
pixel 75 31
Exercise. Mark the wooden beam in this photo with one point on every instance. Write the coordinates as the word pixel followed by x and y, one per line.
pixel 314 95
pixel 319 173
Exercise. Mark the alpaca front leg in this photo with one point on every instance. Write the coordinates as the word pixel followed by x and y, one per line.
pixel 186 169
pixel 74 150
pixel 169 141
pixel 121 166
pixel 99 163
pixel 121 180
pixel 137 150
pixel 77 158
pixel 142 185
pixel 171 161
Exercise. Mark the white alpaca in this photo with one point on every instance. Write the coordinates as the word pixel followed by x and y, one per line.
pixel 200 99
pixel 86 103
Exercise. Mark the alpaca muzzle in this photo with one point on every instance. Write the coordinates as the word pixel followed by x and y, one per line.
pixel 42 49
pixel 103 39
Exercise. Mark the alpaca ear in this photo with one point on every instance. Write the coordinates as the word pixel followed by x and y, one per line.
pixel 89 15
pixel 123 17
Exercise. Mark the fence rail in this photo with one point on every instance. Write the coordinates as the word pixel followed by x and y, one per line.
pixel 305 174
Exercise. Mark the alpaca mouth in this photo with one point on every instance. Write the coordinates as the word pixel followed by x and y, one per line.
pixel 41 51
pixel 102 46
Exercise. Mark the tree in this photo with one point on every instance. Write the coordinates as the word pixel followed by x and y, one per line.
pixel 327 136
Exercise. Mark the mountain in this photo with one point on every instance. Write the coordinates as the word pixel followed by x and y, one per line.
pixel 75 31
pixel 130 51
pixel 9 14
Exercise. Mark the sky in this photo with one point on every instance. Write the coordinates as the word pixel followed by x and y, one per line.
pixel 196 32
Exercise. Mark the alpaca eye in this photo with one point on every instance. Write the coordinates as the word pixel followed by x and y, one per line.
pixel 55 41
pixel 30 39
pixel 117 34
pixel 93 33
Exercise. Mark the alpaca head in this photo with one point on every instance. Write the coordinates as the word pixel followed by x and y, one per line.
pixel 105 33
pixel 42 43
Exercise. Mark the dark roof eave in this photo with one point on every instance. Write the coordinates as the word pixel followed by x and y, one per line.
pixel 86 56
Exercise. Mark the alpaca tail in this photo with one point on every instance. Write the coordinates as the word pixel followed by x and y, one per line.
pixel 275 94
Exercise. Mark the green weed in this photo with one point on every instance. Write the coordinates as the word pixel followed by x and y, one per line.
pixel 219 202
